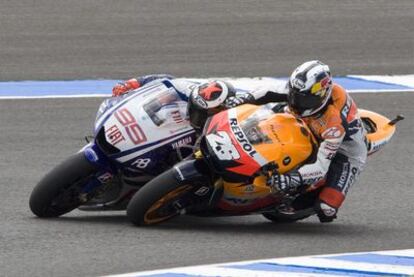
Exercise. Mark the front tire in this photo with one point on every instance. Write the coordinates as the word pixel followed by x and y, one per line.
pixel 58 192
pixel 157 201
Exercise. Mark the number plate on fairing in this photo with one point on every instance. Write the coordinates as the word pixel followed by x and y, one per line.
pixel 146 121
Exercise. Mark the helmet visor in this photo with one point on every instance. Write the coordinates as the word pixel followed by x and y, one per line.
pixel 302 101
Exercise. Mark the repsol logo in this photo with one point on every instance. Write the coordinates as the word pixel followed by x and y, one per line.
pixel 241 138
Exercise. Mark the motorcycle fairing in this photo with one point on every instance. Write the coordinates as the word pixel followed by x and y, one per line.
pixel 244 139
pixel 135 124
pixel 380 133
pixel 279 138
pixel 156 159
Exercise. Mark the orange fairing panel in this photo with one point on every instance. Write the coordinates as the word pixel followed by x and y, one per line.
pixel 383 132
pixel 292 137
pixel 288 140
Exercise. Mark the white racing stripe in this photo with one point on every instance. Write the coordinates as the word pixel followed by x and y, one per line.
pixel 380 263
pixel 103 88
pixel 336 264
pixel 402 80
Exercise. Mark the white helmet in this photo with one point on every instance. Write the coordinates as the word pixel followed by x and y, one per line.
pixel 206 100
pixel 211 94
pixel 310 88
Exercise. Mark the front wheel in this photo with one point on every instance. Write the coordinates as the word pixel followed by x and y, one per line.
pixel 59 192
pixel 159 200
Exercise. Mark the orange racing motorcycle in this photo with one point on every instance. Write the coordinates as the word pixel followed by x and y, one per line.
pixel 236 152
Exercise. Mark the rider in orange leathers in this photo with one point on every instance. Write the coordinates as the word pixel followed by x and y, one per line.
pixel 333 118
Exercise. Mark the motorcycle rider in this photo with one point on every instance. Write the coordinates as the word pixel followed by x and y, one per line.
pixel 333 118
pixel 206 97
pixel 330 113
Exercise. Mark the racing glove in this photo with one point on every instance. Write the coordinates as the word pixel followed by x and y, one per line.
pixel 285 183
pixel 325 212
pixel 125 87
pixel 237 100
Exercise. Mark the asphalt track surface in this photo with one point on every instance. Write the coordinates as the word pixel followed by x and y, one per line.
pixel 83 39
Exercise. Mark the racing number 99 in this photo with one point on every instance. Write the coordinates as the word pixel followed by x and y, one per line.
pixel 131 126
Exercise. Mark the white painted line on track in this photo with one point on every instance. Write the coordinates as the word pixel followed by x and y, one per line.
pixel 57 96
pixel 103 88
pixel 403 80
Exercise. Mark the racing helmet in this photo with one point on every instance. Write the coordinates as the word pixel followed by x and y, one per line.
pixel 206 99
pixel 309 88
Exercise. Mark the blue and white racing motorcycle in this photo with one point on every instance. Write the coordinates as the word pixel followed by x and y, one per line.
pixel 136 137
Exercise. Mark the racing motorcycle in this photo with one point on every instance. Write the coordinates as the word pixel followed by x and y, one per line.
pixel 136 137
pixel 236 153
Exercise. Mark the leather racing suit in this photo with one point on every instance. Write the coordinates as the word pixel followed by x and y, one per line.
pixel 342 151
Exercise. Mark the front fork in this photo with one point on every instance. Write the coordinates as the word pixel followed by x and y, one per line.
pixel 105 169
pixel 207 187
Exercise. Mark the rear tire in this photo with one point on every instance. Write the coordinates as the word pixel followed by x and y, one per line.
pixel 58 192
pixel 154 202
pixel 277 217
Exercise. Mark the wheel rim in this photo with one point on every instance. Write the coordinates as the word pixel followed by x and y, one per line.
pixel 162 209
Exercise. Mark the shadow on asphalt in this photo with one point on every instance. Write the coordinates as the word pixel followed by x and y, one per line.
pixel 228 225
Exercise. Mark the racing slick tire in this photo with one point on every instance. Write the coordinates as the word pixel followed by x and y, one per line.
pixel 277 217
pixel 158 200
pixel 58 191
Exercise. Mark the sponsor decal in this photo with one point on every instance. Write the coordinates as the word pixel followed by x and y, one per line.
pixel 312 174
pixel 311 181
pixel 286 160
pixel 274 132
pixel 319 88
pixel 131 126
pixel 105 178
pixel 379 145
pixel 352 178
pixel 176 116
pixel 200 102
pixel 297 83
pixel 141 163
pixel 179 130
pixel 241 138
pixel 344 176
pixel 327 210
pixel 114 135
pixel 202 191
pixel 182 142
pixel 223 146
pixel 331 146
pixel 332 133
pixel 345 111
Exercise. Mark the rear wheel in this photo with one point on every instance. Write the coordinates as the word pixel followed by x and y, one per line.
pixel 278 217
pixel 159 200
pixel 59 192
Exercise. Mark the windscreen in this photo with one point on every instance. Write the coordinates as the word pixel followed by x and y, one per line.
pixel 251 128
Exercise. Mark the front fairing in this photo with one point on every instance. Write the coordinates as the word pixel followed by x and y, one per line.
pixel 241 141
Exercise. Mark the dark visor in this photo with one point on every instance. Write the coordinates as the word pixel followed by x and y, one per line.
pixel 301 101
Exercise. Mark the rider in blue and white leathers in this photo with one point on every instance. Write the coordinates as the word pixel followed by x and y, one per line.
pixel 256 94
